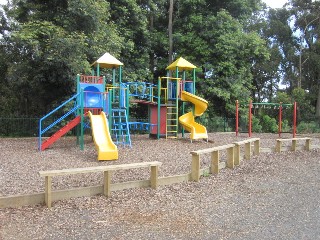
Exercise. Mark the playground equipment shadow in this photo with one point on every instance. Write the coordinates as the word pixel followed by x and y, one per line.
pixel 271 196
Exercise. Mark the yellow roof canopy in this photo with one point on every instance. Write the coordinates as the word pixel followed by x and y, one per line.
pixel 107 61
pixel 181 64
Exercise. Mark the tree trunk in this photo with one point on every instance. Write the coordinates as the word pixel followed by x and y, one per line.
pixel 151 53
pixel 318 104
pixel 170 31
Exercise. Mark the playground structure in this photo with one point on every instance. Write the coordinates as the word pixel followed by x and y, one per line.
pixel 107 106
pixel 279 106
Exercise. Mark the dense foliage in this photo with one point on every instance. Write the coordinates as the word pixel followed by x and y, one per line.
pixel 243 50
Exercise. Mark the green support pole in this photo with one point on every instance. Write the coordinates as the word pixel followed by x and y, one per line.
pixel 127 101
pixel 104 94
pixel 113 83
pixel 120 75
pixel 183 103
pixel 194 81
pixel 98 70
pixel 183 110
pixel 177 105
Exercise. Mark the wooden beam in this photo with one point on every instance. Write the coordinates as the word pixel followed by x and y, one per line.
pixel 154 177
pixel 215 160
pixel 107 183
pixel 230 157
pixel 247 150
pixel 48 191
pixel 195 168
pixel 294 145
pixel 278 146
pixel 98 169
pixel 209 150
pixel 256 147
pixel 308 144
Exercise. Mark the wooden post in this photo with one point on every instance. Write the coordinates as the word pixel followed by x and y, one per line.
pixel 107 183
pixel 308 144
pixel 294 145
pixel 256 147
pixel 237 154
pixel 247 150
pixel 230 157
pixel 154 177
pixel 48 191
pixel 195 168
pixel 278 145
pixel 215 160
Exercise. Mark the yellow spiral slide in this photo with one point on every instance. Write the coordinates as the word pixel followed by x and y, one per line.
pixel 197 131
pixel 106 148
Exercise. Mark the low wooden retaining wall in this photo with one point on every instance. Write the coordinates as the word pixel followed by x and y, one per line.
pixel 233 156
pixel 107 172
pixel 234 153
pixel 294 144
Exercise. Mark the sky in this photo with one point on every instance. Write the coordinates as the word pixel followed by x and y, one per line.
pixel 275 3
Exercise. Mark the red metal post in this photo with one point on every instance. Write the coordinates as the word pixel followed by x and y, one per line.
pixel 237 117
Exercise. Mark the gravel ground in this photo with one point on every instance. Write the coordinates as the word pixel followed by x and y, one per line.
pixel 271 196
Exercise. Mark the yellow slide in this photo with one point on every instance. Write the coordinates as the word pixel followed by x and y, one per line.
pixel 107 150
pixel 197 131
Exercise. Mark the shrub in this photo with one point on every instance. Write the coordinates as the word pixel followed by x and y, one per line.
pixel 310 127
pixel 269 124
pixel 256 127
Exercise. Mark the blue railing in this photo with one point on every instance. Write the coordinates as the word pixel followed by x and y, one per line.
pixel 77 99
pixel 142 90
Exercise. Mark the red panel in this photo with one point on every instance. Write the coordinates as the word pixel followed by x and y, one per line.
pixel 62 131
pixel 154 119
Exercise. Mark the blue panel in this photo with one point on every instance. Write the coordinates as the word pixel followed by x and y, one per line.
pixel 188 87
pixel 93 95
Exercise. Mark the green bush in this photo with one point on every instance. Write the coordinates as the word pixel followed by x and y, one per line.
pixel 285 126
pixel 269 124
pixel 310 127
pixel 256 127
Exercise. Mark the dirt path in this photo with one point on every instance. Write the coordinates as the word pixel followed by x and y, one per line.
pixel 271 196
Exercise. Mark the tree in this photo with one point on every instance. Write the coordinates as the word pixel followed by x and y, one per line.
pixel 219 43
pixel 45 49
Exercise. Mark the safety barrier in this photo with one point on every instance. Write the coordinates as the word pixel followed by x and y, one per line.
pixel 233 156
pixel 107 170
pixel 216 165
pixel 247 149
pixel 307 145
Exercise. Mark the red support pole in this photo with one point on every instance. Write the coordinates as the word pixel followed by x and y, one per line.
pixel 250 119
pixel 294 119
pixel 280 119
pixel 237 117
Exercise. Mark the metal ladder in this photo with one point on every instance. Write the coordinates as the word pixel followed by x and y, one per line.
pixel 120 127
pixel 172 121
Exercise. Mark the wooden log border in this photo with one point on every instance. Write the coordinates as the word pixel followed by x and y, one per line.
pixel 233 159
